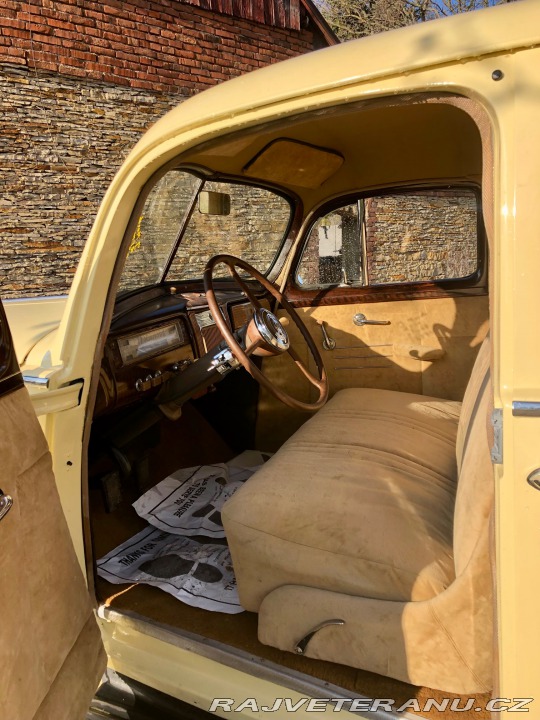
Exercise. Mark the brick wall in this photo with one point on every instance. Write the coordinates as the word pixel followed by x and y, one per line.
pixel 156 46
pixel 80 81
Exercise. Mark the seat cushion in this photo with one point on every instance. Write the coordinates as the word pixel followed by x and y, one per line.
pixel 360 501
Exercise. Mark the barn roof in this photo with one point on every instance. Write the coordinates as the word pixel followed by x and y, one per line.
pixel 289 14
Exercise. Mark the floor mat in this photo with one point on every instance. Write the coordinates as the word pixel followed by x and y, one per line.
pixel 183 549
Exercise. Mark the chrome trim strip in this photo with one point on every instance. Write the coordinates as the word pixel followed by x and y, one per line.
pixel 362 347
pixel 364 367
pixel 34 298
pixel 525 409
pixel 34 380
pixel 362 357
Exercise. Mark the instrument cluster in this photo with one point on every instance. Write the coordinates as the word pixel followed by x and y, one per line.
pixel 155 336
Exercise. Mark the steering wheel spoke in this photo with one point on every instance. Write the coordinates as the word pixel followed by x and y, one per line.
pixel 245 288
pixel 303 369
pixel 250 349
pixel 265 335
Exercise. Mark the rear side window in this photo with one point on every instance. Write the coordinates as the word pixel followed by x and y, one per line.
pixel 410 237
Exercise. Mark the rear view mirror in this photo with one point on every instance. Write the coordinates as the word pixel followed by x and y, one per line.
pixel 214 203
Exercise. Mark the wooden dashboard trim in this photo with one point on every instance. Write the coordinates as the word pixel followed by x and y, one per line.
pixel 118 379
pixel 382 293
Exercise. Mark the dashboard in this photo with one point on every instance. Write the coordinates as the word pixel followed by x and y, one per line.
pixel 158 333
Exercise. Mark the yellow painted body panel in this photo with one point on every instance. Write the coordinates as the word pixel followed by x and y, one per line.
pixel 31 320
pixel 194 678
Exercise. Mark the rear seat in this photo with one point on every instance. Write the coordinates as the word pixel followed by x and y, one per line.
pixel 376 512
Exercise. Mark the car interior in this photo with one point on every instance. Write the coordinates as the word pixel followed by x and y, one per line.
pixel 316 288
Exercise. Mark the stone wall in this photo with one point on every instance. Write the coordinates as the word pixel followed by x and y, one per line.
pixel 421 236
pixel 62 141
pixel 253 229
pixel 80 81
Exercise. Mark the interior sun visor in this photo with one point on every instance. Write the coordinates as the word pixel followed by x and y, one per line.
pixel 291 162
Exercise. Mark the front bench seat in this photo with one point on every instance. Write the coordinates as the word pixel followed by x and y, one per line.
pixel 376 512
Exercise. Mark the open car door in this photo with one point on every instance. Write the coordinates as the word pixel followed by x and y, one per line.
pixel 51 655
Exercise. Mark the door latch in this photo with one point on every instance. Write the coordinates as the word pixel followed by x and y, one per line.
pixel 6 502
pixel 534 479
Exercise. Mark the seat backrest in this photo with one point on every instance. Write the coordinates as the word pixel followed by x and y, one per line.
pixel 474 497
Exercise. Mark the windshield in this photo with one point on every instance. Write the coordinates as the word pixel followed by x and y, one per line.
pixel 185 221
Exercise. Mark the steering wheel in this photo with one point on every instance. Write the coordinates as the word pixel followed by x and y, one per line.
pixel 265 335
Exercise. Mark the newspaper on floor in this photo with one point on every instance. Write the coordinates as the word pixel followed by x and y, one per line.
pixel 189 501
pixel 198 574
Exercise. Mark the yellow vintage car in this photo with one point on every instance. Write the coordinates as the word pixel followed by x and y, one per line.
pixel 312 293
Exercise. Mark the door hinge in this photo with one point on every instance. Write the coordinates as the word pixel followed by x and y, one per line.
pixel 497 449
pixel 525 409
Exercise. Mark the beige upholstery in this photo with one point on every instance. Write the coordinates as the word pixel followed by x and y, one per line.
pixel 376 512
pixel 51 654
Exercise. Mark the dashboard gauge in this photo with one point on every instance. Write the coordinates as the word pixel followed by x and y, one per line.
pixel 204 319
pixel 137 347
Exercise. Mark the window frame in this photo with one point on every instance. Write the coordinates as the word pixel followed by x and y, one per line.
pixel 473 284
pixel 205 175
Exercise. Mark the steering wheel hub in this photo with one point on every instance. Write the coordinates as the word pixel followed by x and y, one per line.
pixel 265 334
pixel 267 329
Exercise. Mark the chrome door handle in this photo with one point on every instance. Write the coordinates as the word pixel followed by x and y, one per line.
pixel 534 479
pixel 361 319
pixel 6 501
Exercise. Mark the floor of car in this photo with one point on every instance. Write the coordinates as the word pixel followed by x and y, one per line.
pixel 109 529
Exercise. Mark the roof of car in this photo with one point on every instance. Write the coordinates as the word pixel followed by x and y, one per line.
pixel 406 50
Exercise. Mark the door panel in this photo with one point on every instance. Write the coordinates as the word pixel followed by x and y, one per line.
pixel 428 348
pixel 51 655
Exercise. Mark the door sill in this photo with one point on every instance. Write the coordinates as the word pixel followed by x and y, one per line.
pixel 237 659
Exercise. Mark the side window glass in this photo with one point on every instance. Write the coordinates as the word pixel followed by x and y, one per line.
pixel 415 237
pixel 397 238
pixel 333 254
